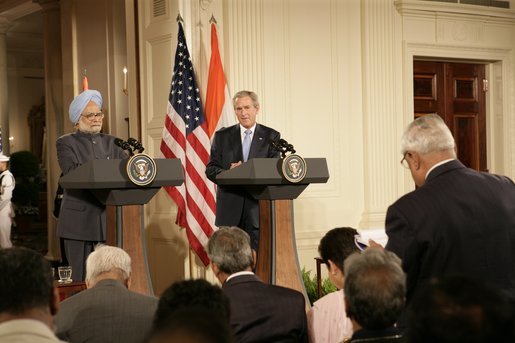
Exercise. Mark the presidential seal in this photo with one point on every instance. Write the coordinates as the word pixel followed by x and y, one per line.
pixel 141 169
pixel 294 168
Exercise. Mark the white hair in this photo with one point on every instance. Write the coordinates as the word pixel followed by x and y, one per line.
pixel 106 258
pixel 427 134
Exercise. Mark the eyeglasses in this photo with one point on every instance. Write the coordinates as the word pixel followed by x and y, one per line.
pixel 404 162
pixel 90 116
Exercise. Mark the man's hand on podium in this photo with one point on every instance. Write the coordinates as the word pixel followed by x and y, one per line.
pixel 234 165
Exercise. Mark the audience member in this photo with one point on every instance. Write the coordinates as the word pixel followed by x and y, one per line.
pixel 375 289
pixel 191 294
pixel 327 320
pixel 28 299
pixel 193 325
pixel 107 311
pixel 259 312
pixel 458 220
pixel 459 309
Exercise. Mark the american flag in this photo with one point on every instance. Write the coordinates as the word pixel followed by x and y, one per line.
pixel 185 137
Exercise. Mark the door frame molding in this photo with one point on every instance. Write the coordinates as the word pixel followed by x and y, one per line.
pixel 499 122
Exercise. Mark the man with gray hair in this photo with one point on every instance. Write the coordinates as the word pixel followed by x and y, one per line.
pixel 259 312
pixel 107 311
pixel 375 288
pixel 458 220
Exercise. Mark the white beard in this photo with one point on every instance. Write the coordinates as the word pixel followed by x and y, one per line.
pixel 83 127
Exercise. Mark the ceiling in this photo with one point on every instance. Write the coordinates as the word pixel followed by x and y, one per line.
pixel 24 35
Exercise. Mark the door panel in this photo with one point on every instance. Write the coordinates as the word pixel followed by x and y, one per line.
pixel 454 91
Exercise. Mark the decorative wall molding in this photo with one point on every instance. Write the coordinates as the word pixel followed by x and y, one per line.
pixel 382 96
pixel 415 7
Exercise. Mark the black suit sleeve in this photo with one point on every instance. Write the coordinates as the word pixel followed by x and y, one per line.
pixel 214 166
pixel 272 153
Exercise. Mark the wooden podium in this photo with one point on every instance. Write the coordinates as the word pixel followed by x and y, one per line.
pixel 277 258
pixel 108 181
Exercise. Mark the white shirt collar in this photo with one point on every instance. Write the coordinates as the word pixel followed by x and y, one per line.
pixel 438 164
pixel 245 272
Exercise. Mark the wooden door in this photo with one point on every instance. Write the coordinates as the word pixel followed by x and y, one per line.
pixel 455 92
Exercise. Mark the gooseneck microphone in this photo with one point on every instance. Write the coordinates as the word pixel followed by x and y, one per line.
pixel 282 146
pixel 124 145
pixel 136 144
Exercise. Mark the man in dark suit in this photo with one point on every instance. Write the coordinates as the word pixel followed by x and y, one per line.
pixel 458 220
pixel 82 222
pixel 107 311
pixel 231 147
pixel 259 312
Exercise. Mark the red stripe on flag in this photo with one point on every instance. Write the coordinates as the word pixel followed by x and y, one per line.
pixel 181 205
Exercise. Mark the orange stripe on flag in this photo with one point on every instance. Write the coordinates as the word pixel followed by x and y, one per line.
pixel 215 97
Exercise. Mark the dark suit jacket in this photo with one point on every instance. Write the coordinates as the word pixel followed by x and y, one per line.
pixel 227 149
pixel 82 216
pixel 265 313
pixel 459 221
pixel 108 312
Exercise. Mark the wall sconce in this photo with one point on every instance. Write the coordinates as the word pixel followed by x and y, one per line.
pixel 125 91
pixel 11 143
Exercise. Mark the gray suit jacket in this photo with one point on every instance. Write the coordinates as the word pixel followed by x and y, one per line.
pixel 227 149
pixel 108 312
pixel 82 216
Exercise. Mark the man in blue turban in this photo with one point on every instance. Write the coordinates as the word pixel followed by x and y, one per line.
pixel 81 101
pixel 82 221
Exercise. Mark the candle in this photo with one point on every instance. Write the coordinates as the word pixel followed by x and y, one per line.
pixel 125 80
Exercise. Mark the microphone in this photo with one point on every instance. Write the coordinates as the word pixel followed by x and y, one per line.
pixel 124 145
pixel 136 144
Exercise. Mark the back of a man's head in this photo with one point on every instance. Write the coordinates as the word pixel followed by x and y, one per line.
pixel 193 325
pixel 109 260
pixel 229 248
pixel 427 134
pixel 375 288
pixel 459 309
pixel 191 294
pixel 338 244
pixel 26 281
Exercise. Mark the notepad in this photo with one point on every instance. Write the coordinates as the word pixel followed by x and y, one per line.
pixel 376 234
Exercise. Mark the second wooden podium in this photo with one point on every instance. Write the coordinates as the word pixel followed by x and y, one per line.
pixel 277 257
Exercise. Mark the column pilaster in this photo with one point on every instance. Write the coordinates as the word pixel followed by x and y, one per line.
pixel 53 106
pixel 382 108
pixel 4 96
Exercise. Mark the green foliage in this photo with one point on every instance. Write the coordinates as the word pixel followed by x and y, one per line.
pixel 310 284
pixel 25 167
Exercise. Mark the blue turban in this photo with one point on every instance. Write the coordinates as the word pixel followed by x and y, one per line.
pixel 81 101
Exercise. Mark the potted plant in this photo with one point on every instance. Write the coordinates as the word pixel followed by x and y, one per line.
pixel 27 174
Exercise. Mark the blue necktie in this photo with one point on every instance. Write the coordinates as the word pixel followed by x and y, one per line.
pixel 246 145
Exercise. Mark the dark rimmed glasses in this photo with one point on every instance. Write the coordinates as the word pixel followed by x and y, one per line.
pixel 91 116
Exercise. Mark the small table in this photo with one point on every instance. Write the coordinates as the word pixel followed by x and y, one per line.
pixel 66 290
